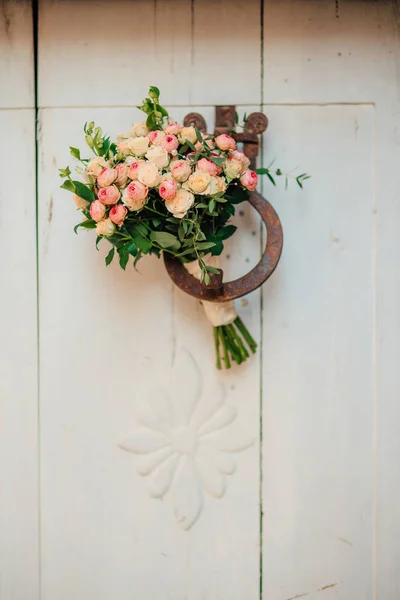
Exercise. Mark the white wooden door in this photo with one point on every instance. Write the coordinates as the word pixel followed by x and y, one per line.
pixel 295 493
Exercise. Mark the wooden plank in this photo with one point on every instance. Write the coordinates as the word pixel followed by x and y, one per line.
pixel 18 361
pixel 16 54
pixel 353 48
pixel 109 337
pixel 318 394
pixel 177 46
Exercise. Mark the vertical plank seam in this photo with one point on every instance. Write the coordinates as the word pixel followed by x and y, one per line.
pixel 374 369
pixel 261 513
pixel 35 25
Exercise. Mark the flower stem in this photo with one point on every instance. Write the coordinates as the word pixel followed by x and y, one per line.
pixel 233 348
pixel 216 343
pixel 239 342
pixel 225 348
pixel 245 333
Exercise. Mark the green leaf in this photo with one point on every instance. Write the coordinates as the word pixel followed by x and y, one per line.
pixel 98 239
pixel 123 258
pixel 88 224
pixel 153 90
pixel 272 180
pixel 217 160
pixel 198 135
pixel 164 239
pixel 201 205
pixel 140 229
pixel 83 191
pixel 206 279
pixel 75 152
pixel 110 256
pixel 142 243
pixel 68 185
pixel 225 232
pixel 130 248
pixel 211 206
pixel 212 270
pixel 205 245
pixel 218 248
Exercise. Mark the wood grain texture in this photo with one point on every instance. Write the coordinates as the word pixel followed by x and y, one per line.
pixel 109 337
pixel 18 362
pixel 16 54
pixel 181 46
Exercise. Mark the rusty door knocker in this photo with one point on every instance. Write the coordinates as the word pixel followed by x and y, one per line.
pixel 218 290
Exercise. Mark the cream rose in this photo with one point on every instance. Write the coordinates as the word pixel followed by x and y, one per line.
pixel 233 168
pixel 139 129
pixel 96 165
pixel 199 181
pixel 237 155
pixel 216 186
pixel 168 189
pixel 205 164
pixel 139 145
pixel 172 128
pixel 156 137
pixel 80 202
pixel 149 175
pixel 122 174
pixel 105 227
pixel 187 133
pixel 180 203
pixel 225 142
pixel 123 147
pixel 158 156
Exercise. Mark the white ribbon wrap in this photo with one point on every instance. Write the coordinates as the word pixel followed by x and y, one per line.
pixel 218 313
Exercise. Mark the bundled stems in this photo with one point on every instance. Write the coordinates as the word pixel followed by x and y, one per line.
pixel 233 346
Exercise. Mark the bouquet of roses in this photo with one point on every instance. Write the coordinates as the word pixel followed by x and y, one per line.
pixel 161 187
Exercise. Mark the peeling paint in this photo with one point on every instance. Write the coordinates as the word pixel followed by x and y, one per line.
pixel 321 589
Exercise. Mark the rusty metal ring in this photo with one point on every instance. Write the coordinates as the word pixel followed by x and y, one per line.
pixel 218 291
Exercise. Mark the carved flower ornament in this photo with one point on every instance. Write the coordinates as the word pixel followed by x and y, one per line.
pixel 184 444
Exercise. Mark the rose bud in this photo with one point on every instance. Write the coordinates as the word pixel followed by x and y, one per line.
pixel 158 156
pixel 187 134
pixel 134 196
pixel 172 128
pixel 139 129
pixel 233 168
pixel 149 175
pixel 199 181
pixel 106 177
pixel 97 210
pixel 96 165
pixel 156 137
pixel 109 195
pixel 225 142
pixel 242 158
pixel 168 189
pixel 180 203
pixel 205 164
pixel 105 227
pixel 249 180
pixel 170 143
pixel 138 146
pixel 180 170
pixel 118 214
pixel 134 168
pixel 122 174
pixel 80 202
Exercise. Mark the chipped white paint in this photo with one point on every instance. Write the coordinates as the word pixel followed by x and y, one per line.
pixel 185 442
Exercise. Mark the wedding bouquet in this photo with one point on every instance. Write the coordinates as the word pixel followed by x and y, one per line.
pixel 161 187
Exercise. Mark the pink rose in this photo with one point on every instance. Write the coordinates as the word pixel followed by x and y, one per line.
pixel 205 164
pixel 134 169
pixel 249 180
pixel 225 142
pixel 106 177
pixel 242 158
pixel 109 194
pixel 122 174
pixel 169 143
pixel 172 128
pixel 168 189
pixel 97 210
pixel 135 195
pixel 156 137
pixel 180 170
pixel 118 214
